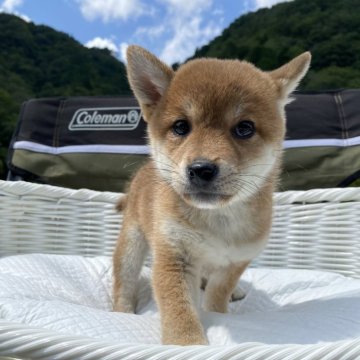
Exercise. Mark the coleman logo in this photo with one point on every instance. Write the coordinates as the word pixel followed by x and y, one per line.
pixel 116 118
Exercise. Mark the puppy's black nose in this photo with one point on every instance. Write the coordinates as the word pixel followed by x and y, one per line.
pixel 202 172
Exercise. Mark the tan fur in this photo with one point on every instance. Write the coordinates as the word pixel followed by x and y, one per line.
pixel 192 238
pixel 221 286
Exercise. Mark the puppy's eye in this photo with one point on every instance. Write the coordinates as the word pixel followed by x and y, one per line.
pixel 244 129
pixel 181 127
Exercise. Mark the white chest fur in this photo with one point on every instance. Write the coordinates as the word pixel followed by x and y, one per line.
pixel 218 237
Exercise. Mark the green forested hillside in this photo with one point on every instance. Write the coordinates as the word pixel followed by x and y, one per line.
pixel 330 29
pixel 37 61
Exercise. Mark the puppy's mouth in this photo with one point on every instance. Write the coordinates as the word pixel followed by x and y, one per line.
pixel 206 199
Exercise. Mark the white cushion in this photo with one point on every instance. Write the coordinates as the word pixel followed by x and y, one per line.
pixel 72 295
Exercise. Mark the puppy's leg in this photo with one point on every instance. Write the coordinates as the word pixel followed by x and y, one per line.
pixel 237 294
pixel 129 255
pixel 176 285
pixel 220 286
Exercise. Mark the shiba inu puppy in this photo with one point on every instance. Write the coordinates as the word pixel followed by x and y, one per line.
pixel 203 203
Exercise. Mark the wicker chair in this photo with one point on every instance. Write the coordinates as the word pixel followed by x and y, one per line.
pixel 316 229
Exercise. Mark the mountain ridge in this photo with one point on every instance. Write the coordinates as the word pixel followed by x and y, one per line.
pixel 271 37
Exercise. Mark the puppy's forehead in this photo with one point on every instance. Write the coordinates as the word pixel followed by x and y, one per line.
pixel 219 85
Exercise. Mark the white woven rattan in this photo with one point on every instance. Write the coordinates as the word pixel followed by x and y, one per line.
pixel 316 229
pixel 47 219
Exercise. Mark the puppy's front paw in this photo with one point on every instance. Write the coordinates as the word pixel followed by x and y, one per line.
pixel 185 339
pixel 125 307
pixel 238 294
pixel 185 331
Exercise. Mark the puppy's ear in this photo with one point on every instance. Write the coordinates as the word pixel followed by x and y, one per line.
pixel 148 77
pixel 288 76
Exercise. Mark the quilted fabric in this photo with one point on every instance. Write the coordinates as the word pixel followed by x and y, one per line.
pixel 72 295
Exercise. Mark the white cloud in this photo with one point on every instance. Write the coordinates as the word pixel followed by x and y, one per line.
pixel 22 16
pixel 108 10
pixel 180 30
pixel 106 43
pixel 102 43
pixel 123 48
pixel 187 38
pixel 267 3
pixel 184 26
pixel 151 31
pixel 10 7
pixel 218 11
pixel 178 7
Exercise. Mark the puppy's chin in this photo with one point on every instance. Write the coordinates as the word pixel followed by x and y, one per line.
pixel 206 200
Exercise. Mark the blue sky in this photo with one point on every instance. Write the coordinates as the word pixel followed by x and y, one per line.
pixel 171 29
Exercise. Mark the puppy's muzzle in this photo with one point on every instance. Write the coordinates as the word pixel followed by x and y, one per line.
pixel 202 173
